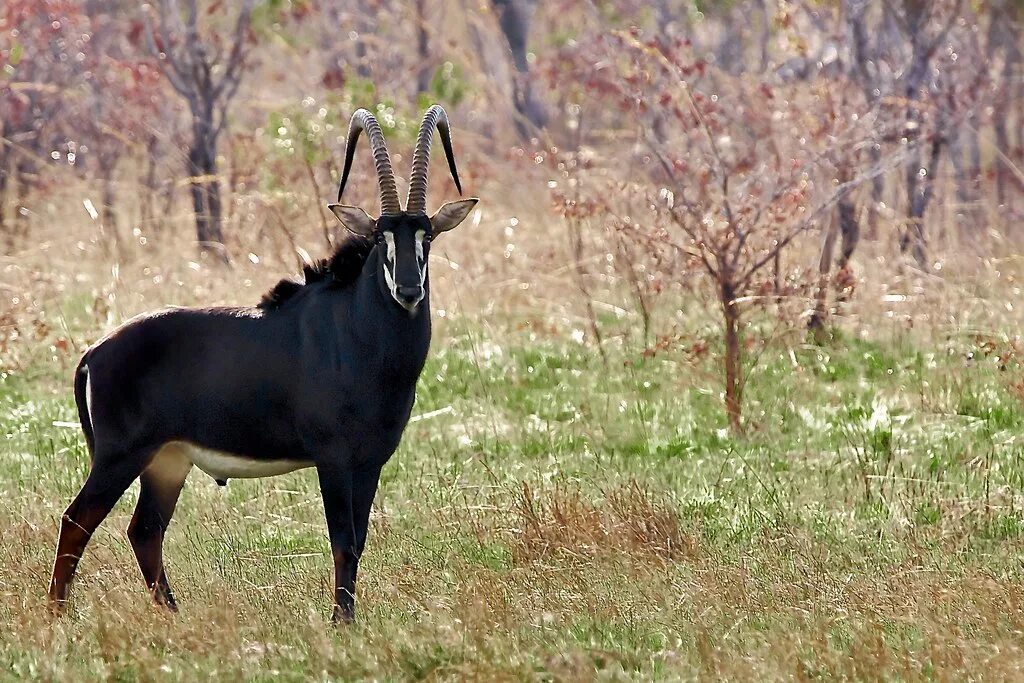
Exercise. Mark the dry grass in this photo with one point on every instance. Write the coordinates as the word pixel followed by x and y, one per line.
pixel 566 519
pixel 626 521
pixel 785 606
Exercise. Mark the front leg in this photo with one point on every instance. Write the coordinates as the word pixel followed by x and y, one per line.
pixel 364 483
pixel 336 489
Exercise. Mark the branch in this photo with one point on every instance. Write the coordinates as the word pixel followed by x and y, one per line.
pixel 702 249
pixel 840 192
pixel 678 219
pixel 182 62
pixel 232 76
pixel 940 36
pixel 815 18
pixel 173 74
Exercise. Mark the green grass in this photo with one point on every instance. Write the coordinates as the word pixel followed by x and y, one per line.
pixel 566 519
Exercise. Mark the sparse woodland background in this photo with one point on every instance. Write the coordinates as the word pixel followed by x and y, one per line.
pixel 727 379
pixel 748 149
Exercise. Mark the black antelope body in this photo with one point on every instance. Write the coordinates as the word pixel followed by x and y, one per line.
pixel 320 374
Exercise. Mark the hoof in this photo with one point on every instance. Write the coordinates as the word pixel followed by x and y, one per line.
pixel 343 615
pixel 56 606
pixel 170 605
pixel 165 598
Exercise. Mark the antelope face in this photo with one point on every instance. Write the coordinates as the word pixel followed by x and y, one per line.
pixel 403 243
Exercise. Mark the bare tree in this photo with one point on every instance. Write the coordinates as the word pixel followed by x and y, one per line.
pixel 864 69
pixel 426 68
pixel 207 75
pixel 919 20
pixel 37 71
pixel 897 58
pixel 514 17
pixel 724 191
pixel 1004 36
pixel 844 225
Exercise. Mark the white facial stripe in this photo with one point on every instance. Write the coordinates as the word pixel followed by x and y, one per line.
pixel 420 234
pixel 389 238
pixel 390 279
pixel 391 254
pixel 420 261
pixel 389 264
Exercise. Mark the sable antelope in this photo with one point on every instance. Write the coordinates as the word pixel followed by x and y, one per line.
pixel 319 374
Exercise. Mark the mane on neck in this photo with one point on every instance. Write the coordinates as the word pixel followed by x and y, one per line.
pixel 341 270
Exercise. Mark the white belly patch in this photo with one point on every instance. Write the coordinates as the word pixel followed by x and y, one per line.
pixel 220 465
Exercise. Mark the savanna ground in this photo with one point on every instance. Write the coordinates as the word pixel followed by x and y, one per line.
pixel 553 515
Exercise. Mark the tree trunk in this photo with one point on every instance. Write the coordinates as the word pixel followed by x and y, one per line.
pixel 514 18
pixel 845 226
pixel 149 188
pixel 764 35
pixel 107 202
pixel 816 325
pixel 206 199
pixel 25 176
pixel 1003 36
pixel 864 69
pixel 363 28
pixel 167 195
pixel 4 182
pixel 1003 145
pixel 920 188
pixel 849 230
pixel 426 69
pixel 877 192
pixel 919 173
pixel 108 220
pixel 329 237
pixel 729 51
pixel 963 153
pixel 733 357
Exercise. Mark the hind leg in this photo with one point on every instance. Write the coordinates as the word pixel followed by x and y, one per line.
pixel 110 476
pixel 161 485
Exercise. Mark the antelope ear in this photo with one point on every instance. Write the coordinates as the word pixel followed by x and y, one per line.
pixel 355 220
pixel 451 214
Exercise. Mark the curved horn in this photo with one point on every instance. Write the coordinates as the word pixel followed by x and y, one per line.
pixel 364 120
pixel 434 118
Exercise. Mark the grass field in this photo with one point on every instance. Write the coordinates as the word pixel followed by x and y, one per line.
pixel 670 193
pixel 552 516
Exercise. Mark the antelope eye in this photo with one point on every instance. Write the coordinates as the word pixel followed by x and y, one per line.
pixel 378 237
